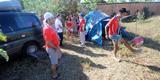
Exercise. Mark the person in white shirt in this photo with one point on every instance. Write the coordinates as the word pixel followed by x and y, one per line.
pixel 59 28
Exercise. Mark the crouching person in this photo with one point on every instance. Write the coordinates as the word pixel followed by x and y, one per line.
pixel 51 42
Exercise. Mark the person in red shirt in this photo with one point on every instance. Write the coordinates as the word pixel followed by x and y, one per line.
pixel 82 29
pixel 51 42
pixel 69 26
pixel 113 32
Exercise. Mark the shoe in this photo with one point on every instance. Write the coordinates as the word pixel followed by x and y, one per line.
pixel 55 77
pixel 117 59
pixel 82 45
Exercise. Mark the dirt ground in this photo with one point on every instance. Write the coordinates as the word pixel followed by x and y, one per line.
pixel 89 63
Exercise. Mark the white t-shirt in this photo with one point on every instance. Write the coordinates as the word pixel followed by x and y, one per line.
pixel 57 27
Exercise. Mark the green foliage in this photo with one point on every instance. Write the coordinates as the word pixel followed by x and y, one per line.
pixel 143 14
pixel 113 14
pixel 2 37
pixel 40 6
pixel 65 7
pixel 121 1
pixel 111 1
pixel 68 6
pixel 131 18
pixel 140 16
pixel 2 52
pixel 146 12
pixel 89 5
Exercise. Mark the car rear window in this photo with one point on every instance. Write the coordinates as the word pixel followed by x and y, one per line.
pixel 26 21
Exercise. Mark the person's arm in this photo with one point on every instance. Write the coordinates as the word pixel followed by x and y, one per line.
pixel 106 29
pixel 51 44
pixel 73 24
pixel 83 25
pixel 60 24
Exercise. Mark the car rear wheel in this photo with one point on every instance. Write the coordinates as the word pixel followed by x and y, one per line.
pixel 30 49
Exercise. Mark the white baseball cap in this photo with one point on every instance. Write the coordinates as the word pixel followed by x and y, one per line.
pixel 48 15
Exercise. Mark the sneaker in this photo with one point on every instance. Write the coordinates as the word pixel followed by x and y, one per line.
pixel 55 77
pixel 117 59
pixel 82 45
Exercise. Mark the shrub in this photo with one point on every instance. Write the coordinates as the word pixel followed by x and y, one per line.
pixel 113 14
pixel 2 52
pixel 140 16
pixel 130 18
pixel 146 12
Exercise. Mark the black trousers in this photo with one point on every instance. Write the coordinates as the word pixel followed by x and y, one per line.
pixel 61 37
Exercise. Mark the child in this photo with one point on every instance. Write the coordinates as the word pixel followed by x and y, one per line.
pixel 69 26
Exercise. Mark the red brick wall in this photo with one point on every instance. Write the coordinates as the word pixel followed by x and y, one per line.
pixel 133 7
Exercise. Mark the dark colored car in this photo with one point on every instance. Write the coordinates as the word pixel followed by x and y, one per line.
pixel 23 31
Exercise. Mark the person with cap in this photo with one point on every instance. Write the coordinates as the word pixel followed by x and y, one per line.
pixel 82 29
pixel 59 28
pixel 51 42
pixel 113 31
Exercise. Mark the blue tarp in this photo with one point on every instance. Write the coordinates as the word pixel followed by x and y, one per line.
pixel 95 25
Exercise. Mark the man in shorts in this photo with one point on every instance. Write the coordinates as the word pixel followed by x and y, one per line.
pixel 51 42
pixel 113 32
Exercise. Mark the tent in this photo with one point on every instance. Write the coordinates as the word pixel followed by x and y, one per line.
pixel 7 5
pixel 95 26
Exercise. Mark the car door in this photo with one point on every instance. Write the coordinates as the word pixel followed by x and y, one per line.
pixel 7 27
pixel 27 27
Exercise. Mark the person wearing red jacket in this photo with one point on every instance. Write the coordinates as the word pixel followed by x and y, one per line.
pixel 52 43
pixel 113 32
